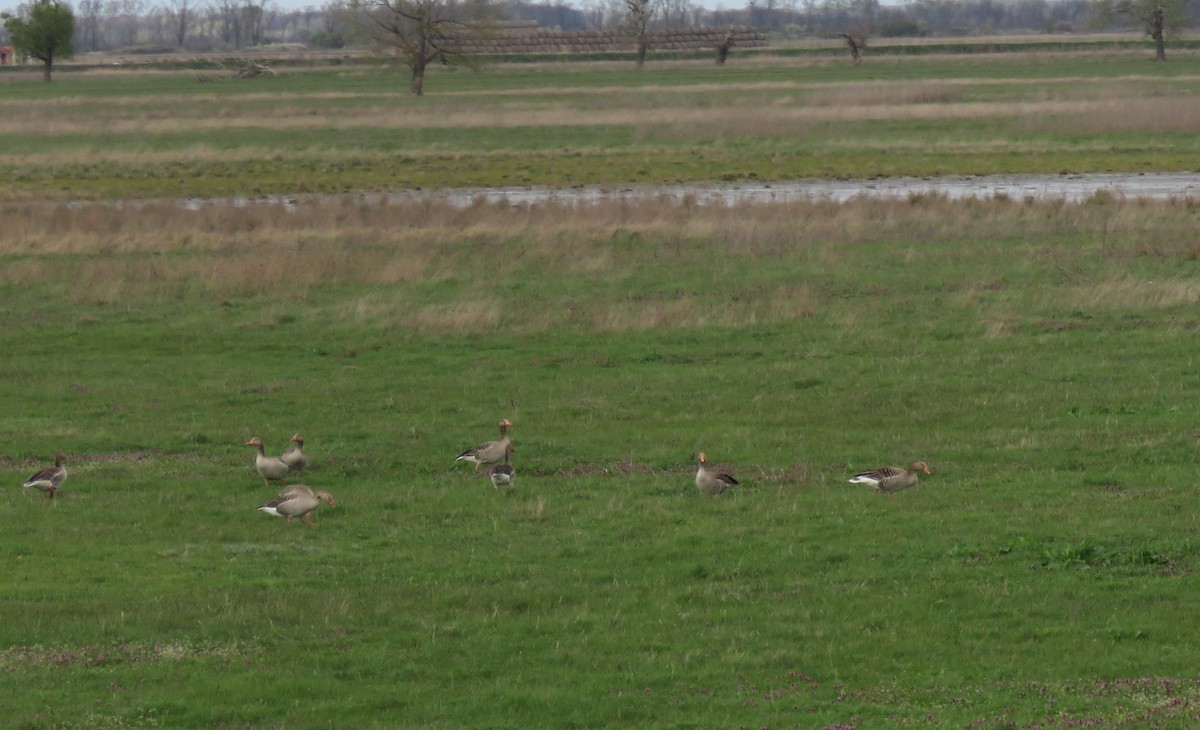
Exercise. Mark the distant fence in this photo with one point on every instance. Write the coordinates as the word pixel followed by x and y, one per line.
pixel 523 40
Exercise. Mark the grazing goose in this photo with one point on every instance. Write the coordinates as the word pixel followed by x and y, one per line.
pixel 294 456
pixel 502 474
pixel 708 482
pixel 491 451
pixel 49 479
pixel 891 479
pixel 269 467
pixel 301 490
pixel 297 500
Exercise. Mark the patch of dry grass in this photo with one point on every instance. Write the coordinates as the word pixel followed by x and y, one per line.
pixel 23 658
pixel 919 102
pixel 96 253
pixel 698 105
pixel 1130 294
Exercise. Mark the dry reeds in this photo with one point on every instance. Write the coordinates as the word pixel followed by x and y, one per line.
pixel 607 266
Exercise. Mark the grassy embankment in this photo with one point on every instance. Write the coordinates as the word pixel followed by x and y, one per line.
pixel 1040 356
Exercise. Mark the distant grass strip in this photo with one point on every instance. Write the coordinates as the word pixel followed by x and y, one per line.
pixel 134 134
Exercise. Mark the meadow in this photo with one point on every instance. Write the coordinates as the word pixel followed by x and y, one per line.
pixel 124 133
pixel 1039 355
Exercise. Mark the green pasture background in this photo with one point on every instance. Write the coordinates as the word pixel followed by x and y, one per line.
pixel 1040 356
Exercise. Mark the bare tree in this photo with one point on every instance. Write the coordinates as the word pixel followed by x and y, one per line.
pixel 1160 20
pixel 88 24
pixel 675 12
pixel 638 16
pixel 254 18
pixel 596 12
pixel 127 16
pixel 226 19
pixel 421 31
pixel 724 48
pixel 179 13
pixel 856 45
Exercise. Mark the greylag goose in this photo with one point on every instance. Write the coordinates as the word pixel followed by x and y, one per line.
pixel 294 456
pixel 491 451
pixel 708 482
pixel 297 500
pixel 302 490
pixel 49 479
pixel 502 475
pixel 269 467
pixel 892 479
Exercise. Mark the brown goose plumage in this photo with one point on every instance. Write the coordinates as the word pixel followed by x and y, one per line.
pixel 892 479
pixel 502 475
pixel 268 467
pixel 297 500
pixel 48 480
pixel 294 456
pixel 708 482
pixel 489 452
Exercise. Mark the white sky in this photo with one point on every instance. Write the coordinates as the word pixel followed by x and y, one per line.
pixel 11 5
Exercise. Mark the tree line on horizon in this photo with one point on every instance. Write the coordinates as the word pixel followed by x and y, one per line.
pixel 418 33
pixel 133 26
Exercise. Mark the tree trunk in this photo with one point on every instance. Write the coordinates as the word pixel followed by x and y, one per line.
pixel 723 49
pixel 181 29
pixel 855 47
pixel 1157 21
pixel 417 83
pixel 641 53
pixel 49 60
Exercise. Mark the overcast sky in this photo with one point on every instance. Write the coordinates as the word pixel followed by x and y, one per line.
pixel 11 5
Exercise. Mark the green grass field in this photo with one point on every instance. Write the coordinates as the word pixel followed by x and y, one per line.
pixel 1040 356
pixel 125 133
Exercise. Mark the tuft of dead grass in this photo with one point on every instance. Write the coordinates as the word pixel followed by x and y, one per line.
pixel 1132 294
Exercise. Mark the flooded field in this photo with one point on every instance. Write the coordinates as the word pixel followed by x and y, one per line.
pixel 1019 187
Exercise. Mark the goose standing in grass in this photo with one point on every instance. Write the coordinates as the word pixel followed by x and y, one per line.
pixel 48 480
pixel 708 482
pixel 502 475
pixel 491 451
pixel 892 479
pixel 297 500
pixel 294 456
pixel 269 467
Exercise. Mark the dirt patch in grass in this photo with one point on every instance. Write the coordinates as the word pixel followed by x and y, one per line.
pixel 23 658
